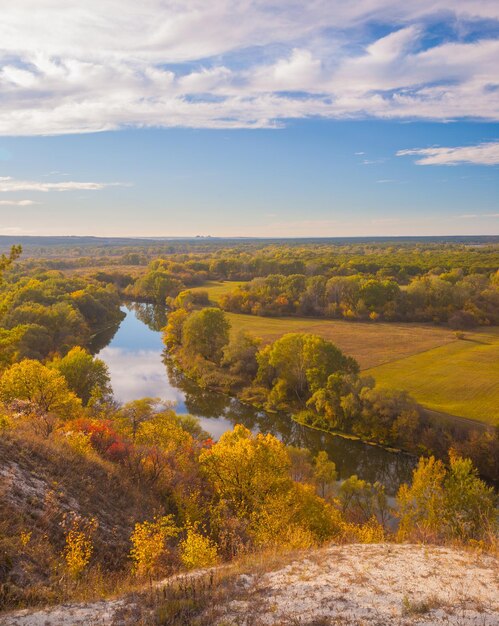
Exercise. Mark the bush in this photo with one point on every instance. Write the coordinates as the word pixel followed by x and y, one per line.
pixel 197 550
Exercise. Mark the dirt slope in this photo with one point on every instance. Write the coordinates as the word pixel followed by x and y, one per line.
pixel 354 585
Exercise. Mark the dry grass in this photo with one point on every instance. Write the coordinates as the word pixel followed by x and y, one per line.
pixel 370 343
pixel 41 482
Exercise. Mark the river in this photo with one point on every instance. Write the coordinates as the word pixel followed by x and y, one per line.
pixel 134 354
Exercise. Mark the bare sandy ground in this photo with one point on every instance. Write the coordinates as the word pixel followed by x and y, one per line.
pixel 375 585
pixel 354 585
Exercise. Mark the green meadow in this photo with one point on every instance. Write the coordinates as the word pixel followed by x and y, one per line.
pixel 460 378
pixel 216 289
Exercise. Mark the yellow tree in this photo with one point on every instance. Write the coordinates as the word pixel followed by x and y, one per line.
pixel 325 473
pixel 245 469
pixel 149 543
pixel 44 390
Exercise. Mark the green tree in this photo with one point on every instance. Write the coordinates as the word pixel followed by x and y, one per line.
pixel 420 505
pixel 362 501
pixel 302 469
pixel 84 374
pixel 470 510
pixel 156 285
pixel 206 333
pixel 174 329
pixel 136 412
pixel 302 365
pixel 7 259
pixel 240 354
pixel 447 503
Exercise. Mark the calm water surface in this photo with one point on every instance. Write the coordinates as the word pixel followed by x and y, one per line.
pixel 134 355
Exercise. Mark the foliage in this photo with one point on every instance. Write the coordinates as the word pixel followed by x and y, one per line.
pixel 197 550
pixel 43 388
pixel 325 474
pixel 461 300
pixel 206 332
pixel 47 313
pixel 7 260
pixel 446 503
pixel 239 355
pixel 245 469
pixel 173 332
pixel 78 547
pixel 302 364
pixel 84 374
pixel 149 543
pixel 362 501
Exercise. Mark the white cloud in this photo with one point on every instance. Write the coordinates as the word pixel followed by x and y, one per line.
pixel 17 202
pixel 107 64
pixel 9 184
pixel 481 154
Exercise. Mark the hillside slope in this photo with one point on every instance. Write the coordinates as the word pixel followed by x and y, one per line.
pixel 41 484
pixel 350 585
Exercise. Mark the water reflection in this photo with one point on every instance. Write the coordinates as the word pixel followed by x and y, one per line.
pixel 139 368
pixel 152 315
pixel 138 374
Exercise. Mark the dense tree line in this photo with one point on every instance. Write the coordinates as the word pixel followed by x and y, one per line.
pixel 403 280
pixel 426 283
pixel 462 301
pixel 45 313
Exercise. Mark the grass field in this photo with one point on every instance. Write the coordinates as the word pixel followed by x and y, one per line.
pixel 370 343
pixel 460 378
pixel 216 289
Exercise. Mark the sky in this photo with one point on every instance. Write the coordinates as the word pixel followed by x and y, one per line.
pixel 249 117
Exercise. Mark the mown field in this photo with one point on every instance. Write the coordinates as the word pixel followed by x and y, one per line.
pixel 370 343
pixel 460 378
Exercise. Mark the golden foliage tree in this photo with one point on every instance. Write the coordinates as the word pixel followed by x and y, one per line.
pixel 149 543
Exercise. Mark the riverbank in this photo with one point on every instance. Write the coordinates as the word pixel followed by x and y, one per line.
pixel 294 417
pixel 430 436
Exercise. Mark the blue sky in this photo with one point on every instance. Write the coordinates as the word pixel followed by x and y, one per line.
pixel 249 118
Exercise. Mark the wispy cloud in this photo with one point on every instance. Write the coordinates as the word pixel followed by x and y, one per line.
pixel 373 161
pixel 481 154
pixel 18 202
pixel 469 216
pixel 104 65
pixel 9 184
